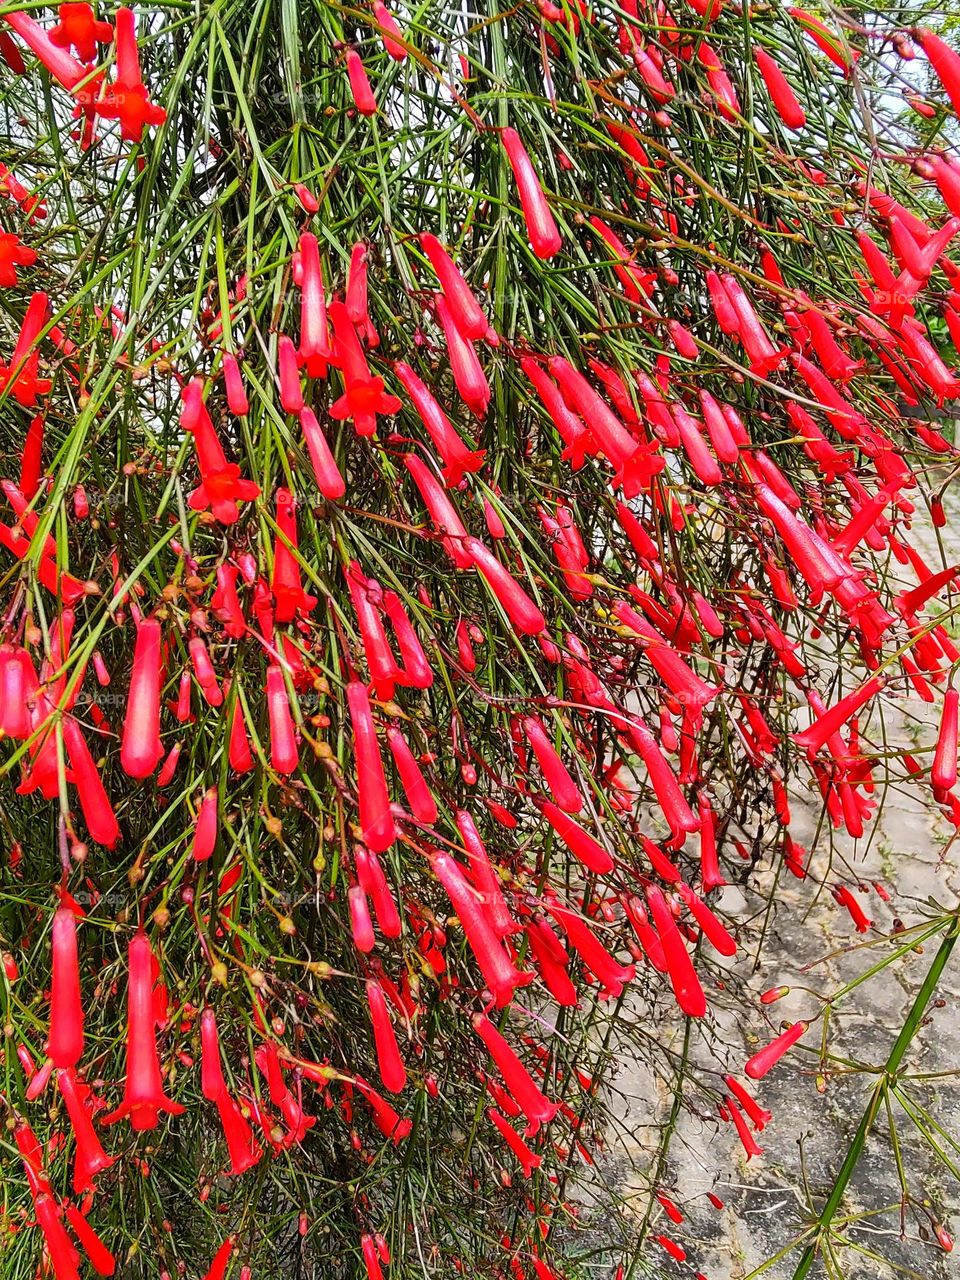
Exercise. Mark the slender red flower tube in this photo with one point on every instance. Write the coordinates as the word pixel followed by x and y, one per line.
pixel 784 100
pixel 683 976
pixel 845 898
pixel 95 804
pixel 529 1160
pixel 944 60
pixel 759 1116
pixel 713 930
pixel 611 975
pixel 206 824
pixel 221 488
pixel 356 296
pixel 376 820
pixel 291 599
pixel 825 39
pixel 577 439
pixel 385 1117
pixel 415 670
pixel 464 308
pixel 484 877
pixel 89 1156
pixel 671 799
pixel 392 1071
pixel 564 790
pixel 363 98
pixel 761 1062
pixel 364 395
pixel 552 961
pixel 284 753
pixel 100 1257
pixel 63 1255
pixel 371 1258
pixel 203 670
pixel 325 470
pixel 389 27
pixel 580 843
pixel 688 688
pixel 457 458
pixel 226 602
pixel 20 375
pixel 544 237
pixel 499 972
pixel 243 1149
pixel 221 1259
pixel 832 720
pixel 140 746
pixel 538 1109
pixel 212 1083
pixel 62 65
pixel 143 1097
pixel 468 375
pixel 419 796
pixel 635 282
pixel 238 751
pixel 517 605
pixel 65 1042
pixel 441 510
pixel 749 1142
pixel 943 773
pixel 237 401
pixel 364 593
pixel 315 350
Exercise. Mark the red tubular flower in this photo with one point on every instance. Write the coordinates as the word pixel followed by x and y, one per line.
pixel 226 602
pixel 831 44
pixel 143 1097
pixel 212 1083
pixel 291 392
pixel 465 310
pixel 242 1147
pixel 750 1146
pixel 376 821
pixel 392 1071
pixel 284 754
pixel 441 510
pixel 415 671
pixel 140 746
pixel 631 460
pixel 325 470
pixel 827 724
pixel 575 436
pixel 62 66
pixel 203 671
pixel 238 751
pixel 529 1160
pixel 316 351
pixel 385 1117
pixel 563 788
pixel 127 99
pixel 13 254
pixel 636 283
pixel 759 1116
pixel 484 877
pixel 65 1042
pixel 371 1258
pixel 683 977
pixel 544 237
pixel 364 592
pixel 95 804
pixel 944 60
pixel 611 976
pixel 419 796
pixel 519 608
pixel 499 972
pixel 761 1062
pixel 799 541
pixel 31 465
pixel 205 827
pixel 363 396
pixel 764 356
pixel 845 898
pixel 552 962
pixel 19 377
pixel 538 1109
pixel 675 809
pixel 784 100
pixel 580 843
pixel 713 930
pixel 356 296
pixel 290 597
pixel 688 688
pixel 77 26
pixel 101 1259
pixel 237 401
pixel 457 458
pixel 221 488
pixel 221 1260
pixel 363 98
pixel 389 27
pixel 471 381
pixel 695 447
pixel 89 1156
pixel 63 1255
pixel 943 774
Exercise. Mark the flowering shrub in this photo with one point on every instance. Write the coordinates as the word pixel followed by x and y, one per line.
pixel 461 476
